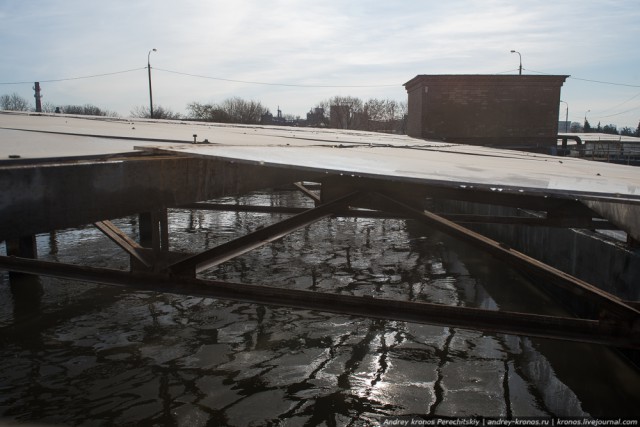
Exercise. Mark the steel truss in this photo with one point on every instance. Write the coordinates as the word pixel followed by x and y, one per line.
pixel 618 324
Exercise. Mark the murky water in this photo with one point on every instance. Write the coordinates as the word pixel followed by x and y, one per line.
pixel 95 355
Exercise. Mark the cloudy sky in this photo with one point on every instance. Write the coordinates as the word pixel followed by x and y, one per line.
pixel 303 52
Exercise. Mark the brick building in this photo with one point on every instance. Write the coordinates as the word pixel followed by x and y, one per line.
pixel 495 110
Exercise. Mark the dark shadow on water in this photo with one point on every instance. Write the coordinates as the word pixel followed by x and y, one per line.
pixel 26 292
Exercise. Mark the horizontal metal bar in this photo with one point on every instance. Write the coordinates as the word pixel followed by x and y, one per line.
pixel 568 222
pixel 554 327
pixel 206 206
pixel 557 277
pixel 350 213
pixel 459 218
pixel 271 233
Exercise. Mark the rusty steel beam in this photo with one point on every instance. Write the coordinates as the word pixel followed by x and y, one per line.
pixel 358 213
pixel 119 237
pixel 569 222
pixel 271 233
pixel 335 186
pixel 553 327
pixel 579 222
pixel 207 206
pixel 559 278
pixel 313 196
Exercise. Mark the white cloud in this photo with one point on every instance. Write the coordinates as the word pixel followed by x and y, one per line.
pixel 325 43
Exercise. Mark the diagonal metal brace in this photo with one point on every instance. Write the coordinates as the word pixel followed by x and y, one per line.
pixel 271 233
pixel 611 303
pixel 121 239
pixel 313 196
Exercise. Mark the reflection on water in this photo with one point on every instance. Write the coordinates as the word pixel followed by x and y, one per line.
pixel 94 355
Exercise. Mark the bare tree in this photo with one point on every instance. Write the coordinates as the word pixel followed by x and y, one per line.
pixel 207 113
pixel 14 102
pixel 342 112
pixel 385 115
pixel 231 110
pixel 241 111
pixel 159 112
pixel 347 112
pixel 377 109
pixel 86 110
pixel 48 107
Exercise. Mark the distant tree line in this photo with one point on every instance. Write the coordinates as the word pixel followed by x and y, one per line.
pixel 232 110
pixel 14 102
pixel 347 112
pixel 611 129
pixel 159 112
pixel 342 112
pixel 84 110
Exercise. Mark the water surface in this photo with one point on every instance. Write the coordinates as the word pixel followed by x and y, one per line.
pixel 85 354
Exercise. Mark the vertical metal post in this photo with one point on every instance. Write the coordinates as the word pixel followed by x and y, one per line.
pixel 24 247
pixel 25 288
pixel 519 56
pixel 145 228
pixel 154 230
pixel 150 94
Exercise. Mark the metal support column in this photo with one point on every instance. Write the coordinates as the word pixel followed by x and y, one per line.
pixel 154 230
pixel 25 288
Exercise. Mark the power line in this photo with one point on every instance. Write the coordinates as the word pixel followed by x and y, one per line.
pixel 588 80
pixel 604 83
pixel 506 72
pixel 274 84
pixel 617 114
pixel 74 78
pixel 202 77
pixel 310 86
pixel 621 104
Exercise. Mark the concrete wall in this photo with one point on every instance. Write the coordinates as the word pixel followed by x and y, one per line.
pixel 587 255
pixel 38 198
pixel 496 110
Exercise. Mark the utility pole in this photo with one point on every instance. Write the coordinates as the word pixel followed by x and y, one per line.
pixel 519 56
pixel 149 70
pixel 37 95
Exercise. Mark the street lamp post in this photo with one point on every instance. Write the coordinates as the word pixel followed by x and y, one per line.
pixel 149 71
pixel 520 69
pixel 566 117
